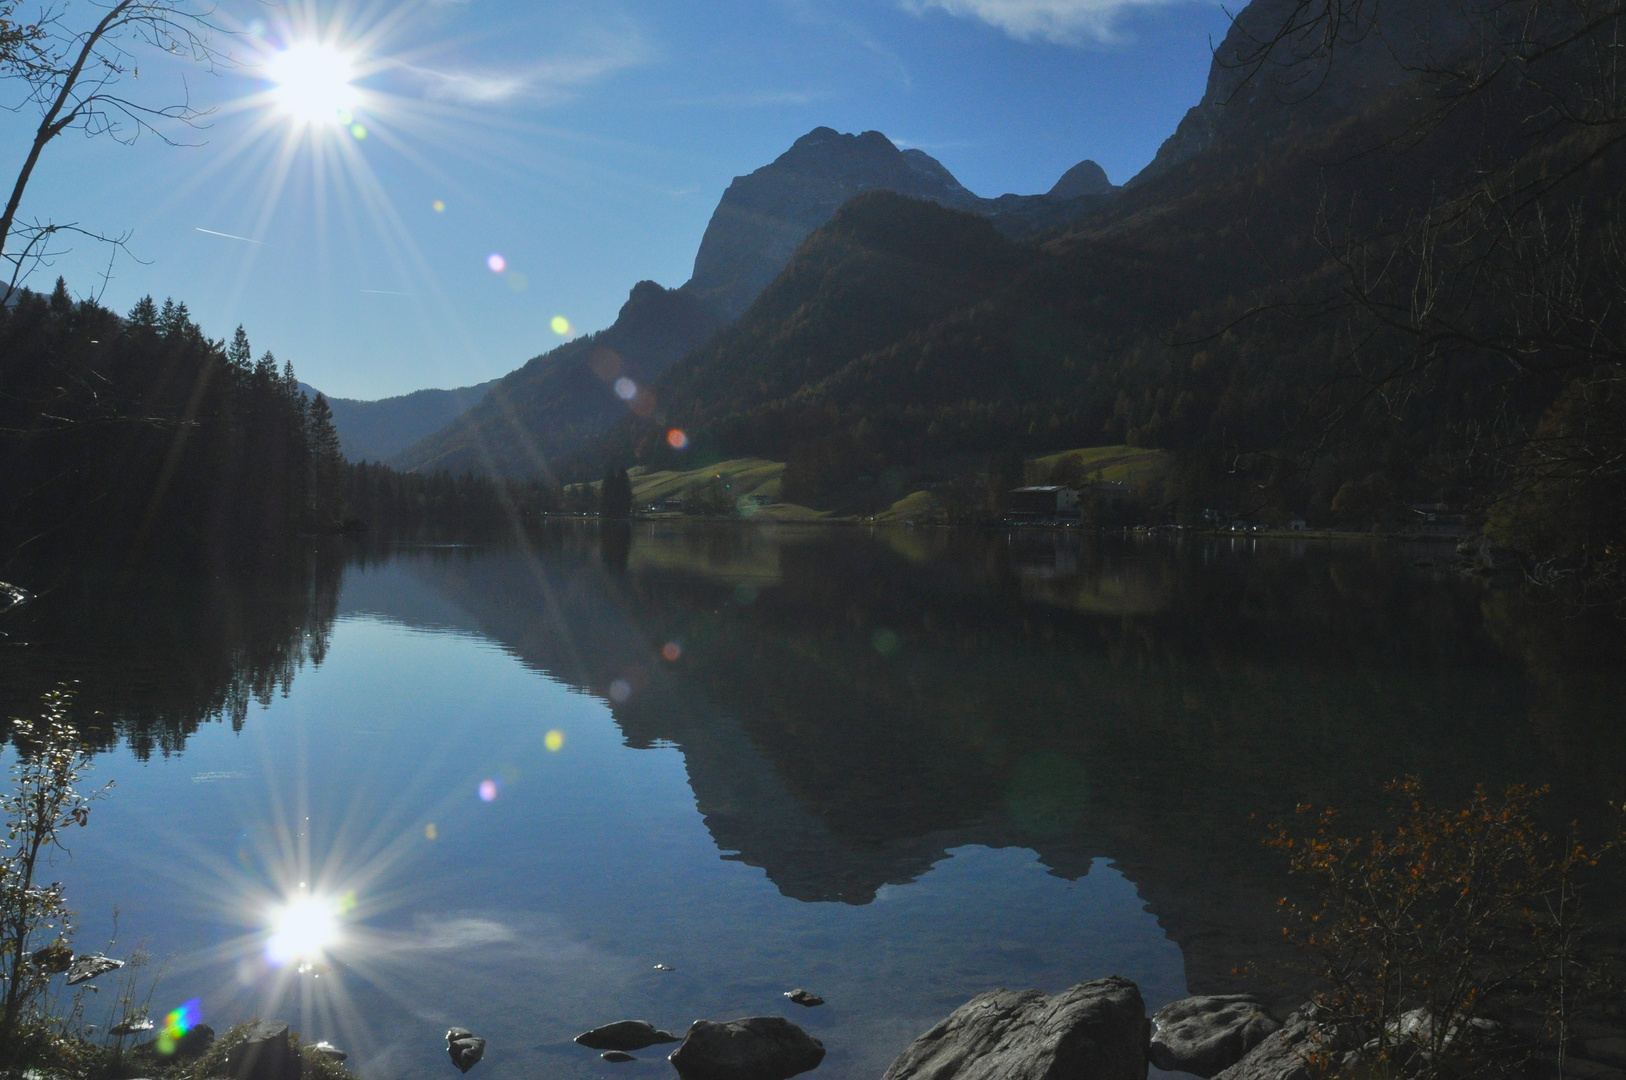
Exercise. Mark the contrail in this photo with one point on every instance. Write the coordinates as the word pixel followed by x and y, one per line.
pixel 229 236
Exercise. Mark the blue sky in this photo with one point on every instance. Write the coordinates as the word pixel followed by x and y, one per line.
pixel 585 142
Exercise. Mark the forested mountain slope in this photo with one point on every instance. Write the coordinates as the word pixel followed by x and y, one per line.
pixel 1328 305
pixel 561 399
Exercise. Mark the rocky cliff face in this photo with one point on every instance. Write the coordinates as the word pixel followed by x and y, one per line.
pixel 764 217
pixel 1276 70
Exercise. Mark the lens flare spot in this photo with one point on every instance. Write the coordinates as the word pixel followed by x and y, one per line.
pixel 496 263
pixel 488 790
pixel 358 132
pixel 176 1024
pixel 620 691
pixel 671 651
pixel 884 641
pixel 626 389
pixel 561 325
pixel 301 930
pixel 430 832
pixel 439 206
pixel 518 281
pixel 554 741
pixel 677 439
pixel 644 403
pixel 312 82
pixel 745 595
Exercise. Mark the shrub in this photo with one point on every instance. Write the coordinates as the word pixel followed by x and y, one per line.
pixel 1439 935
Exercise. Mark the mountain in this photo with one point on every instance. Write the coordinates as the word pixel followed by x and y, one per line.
pixel 378 430
pixel 1322 305
pixel 763 217
pixel 563 398
pixel 558 402
pixel 885 266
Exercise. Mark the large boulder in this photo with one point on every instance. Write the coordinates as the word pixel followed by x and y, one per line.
pixel 751 1048
pixel 1289 1053
pixel 1203 1035
pixel 264 1054
pixel 1095 1031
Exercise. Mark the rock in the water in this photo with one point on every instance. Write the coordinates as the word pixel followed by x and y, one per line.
pixel 329 1051
pixel 465 1047
pixel 86 968
pixel 802 997
pixel 663 967
pixel 265 1054
pixel 133 1025
pixel 750 1048
pixel 1095 1031
pixel 617 1056
pixel 625 1035
pixel 1203 1035
pixel 54 959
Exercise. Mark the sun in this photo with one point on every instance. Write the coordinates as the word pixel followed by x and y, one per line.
pixel 314 83
pixel 301 931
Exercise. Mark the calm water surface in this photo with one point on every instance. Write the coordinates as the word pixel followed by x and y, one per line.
pixel 895 768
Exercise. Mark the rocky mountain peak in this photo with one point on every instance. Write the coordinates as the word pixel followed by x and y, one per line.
pixel 1085 178
pixel 764 216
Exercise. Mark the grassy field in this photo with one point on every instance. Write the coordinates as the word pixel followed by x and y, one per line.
pixel 1114 464
pixel 760 477
pixel 744 476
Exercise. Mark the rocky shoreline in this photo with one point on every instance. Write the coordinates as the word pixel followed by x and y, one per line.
pixel 1097 1030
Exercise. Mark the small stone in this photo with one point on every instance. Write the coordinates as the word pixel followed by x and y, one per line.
pixel 131 1026
pixel 803 997
pixel 86 968
pixel 617 1056
pixel 329 1051
pixel 663 967
pixel 625 1035
pixel 465 1048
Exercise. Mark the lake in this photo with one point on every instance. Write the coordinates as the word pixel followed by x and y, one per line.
pixel 895 767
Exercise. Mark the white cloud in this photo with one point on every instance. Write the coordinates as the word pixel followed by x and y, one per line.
pixel 1065 22
pixel 540 82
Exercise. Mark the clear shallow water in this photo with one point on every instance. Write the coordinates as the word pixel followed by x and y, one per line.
pixel 897 769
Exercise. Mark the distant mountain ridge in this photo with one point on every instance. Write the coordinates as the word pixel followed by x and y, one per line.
pixel 378 430
pixel 558 402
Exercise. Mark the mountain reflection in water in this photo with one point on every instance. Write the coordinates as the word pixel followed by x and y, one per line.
pixel 853 706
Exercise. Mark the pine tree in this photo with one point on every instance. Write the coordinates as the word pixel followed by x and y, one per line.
pixel 238 352
pixel 265 371
pixel 174 320
pixel 327 462
pixel 145 313
pixel 615 496
pixel 61 302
